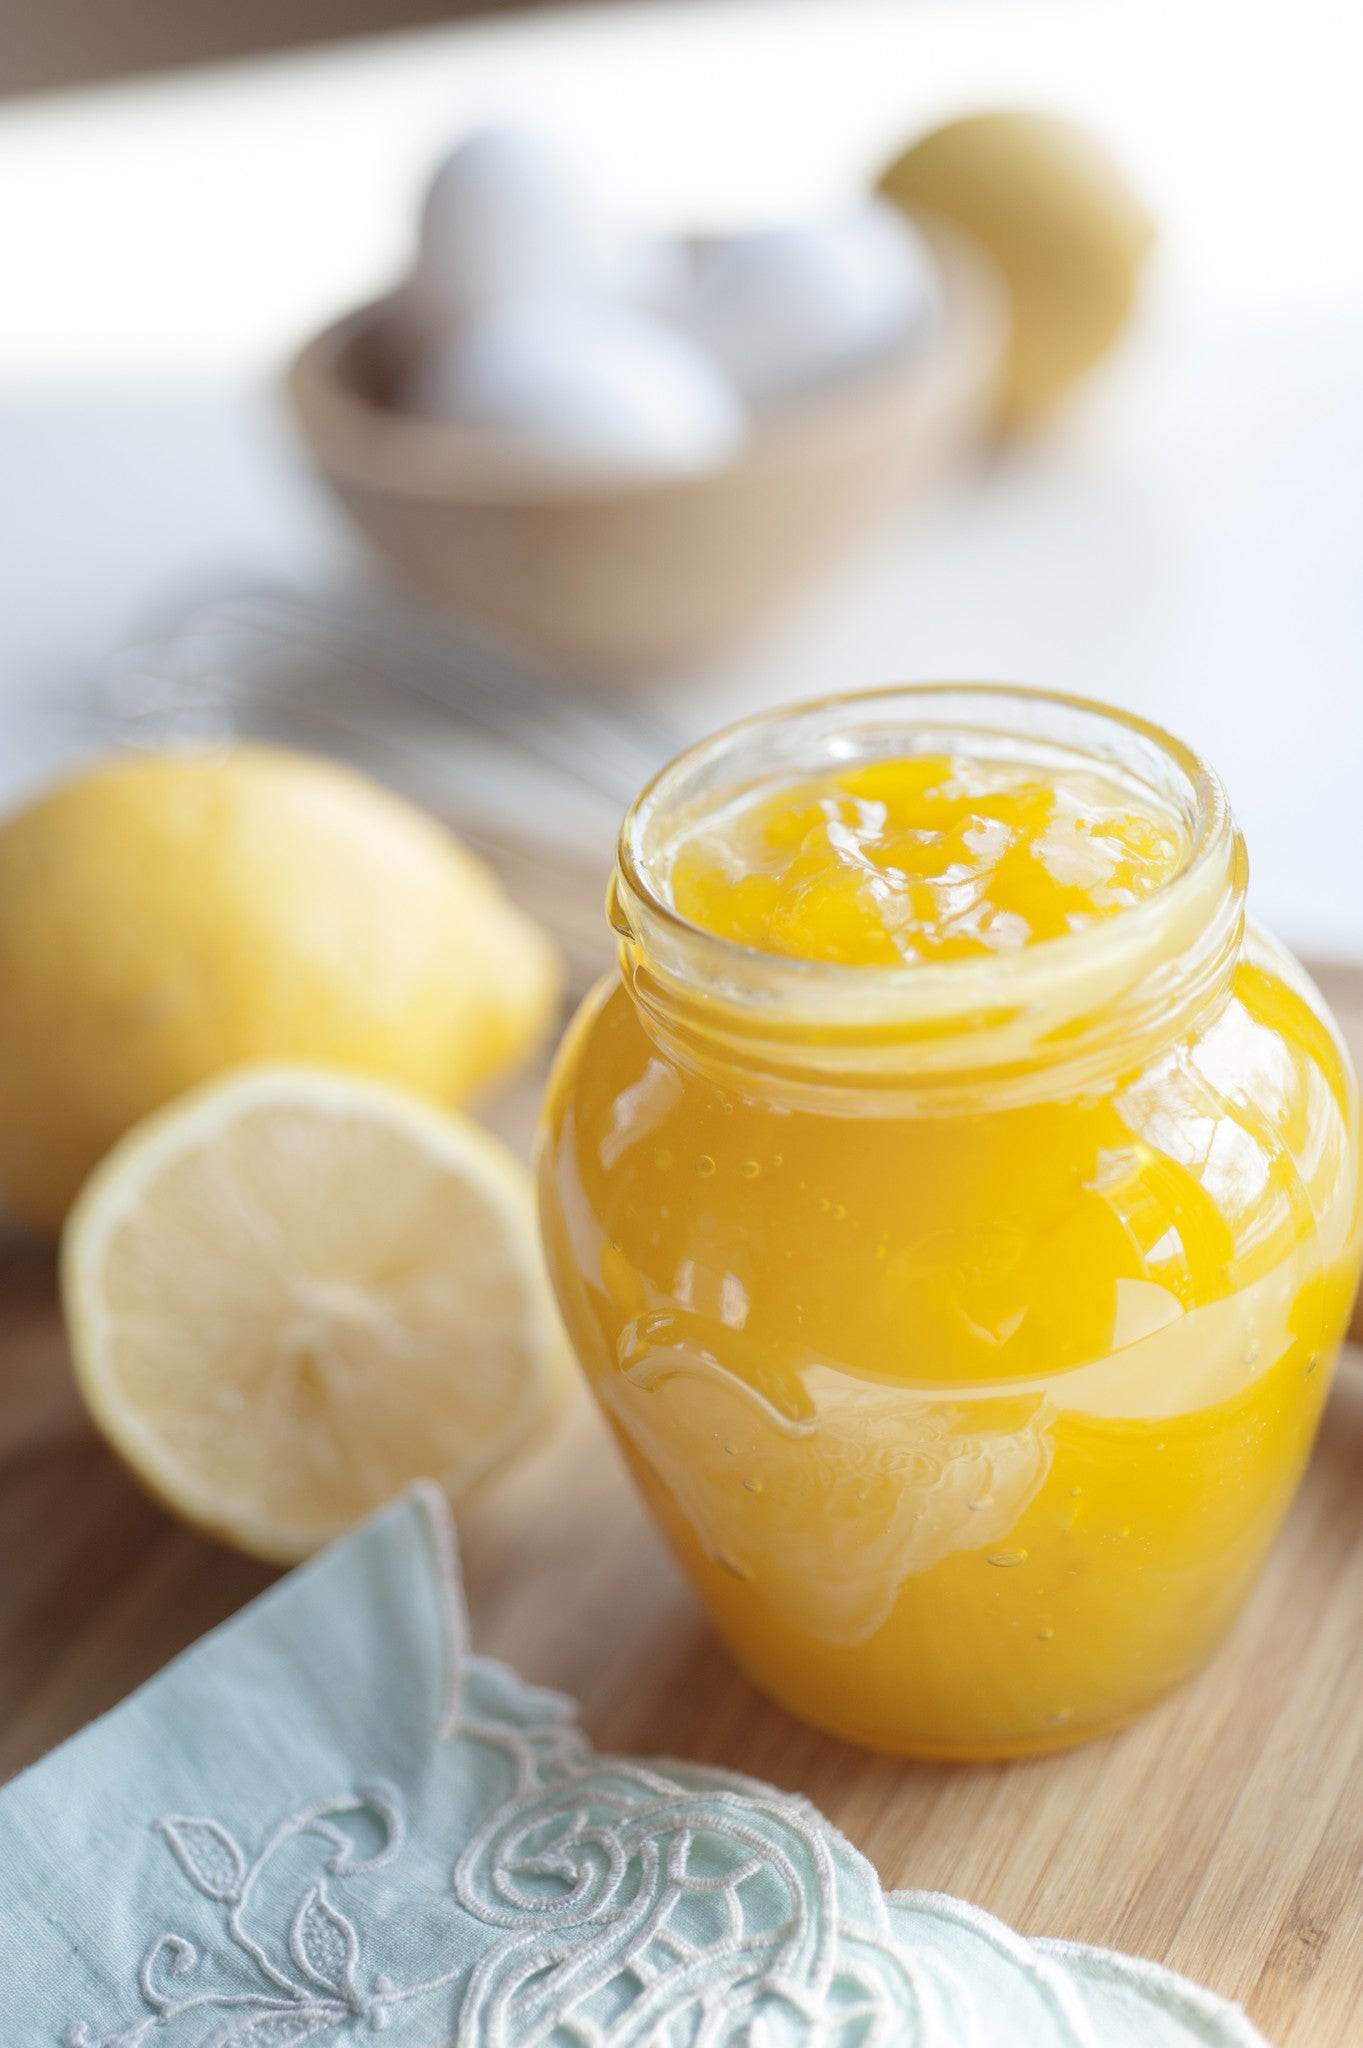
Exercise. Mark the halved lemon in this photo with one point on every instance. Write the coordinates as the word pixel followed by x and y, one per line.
pixel 292 1292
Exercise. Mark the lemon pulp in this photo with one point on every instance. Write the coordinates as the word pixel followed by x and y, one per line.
pixel 292 1293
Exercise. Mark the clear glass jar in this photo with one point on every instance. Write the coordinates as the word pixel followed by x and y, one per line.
pixel 966 1324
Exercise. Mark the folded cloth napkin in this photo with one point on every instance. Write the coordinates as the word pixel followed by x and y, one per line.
pixel 328 1819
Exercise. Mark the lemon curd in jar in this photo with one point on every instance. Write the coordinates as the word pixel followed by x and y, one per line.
pixel 955 1209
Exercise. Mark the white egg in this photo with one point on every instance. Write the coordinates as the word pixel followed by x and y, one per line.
pixel 788 309
pixel 589 390
pixel 506 215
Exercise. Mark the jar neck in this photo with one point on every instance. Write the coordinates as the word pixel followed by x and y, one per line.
pixel 1062 1015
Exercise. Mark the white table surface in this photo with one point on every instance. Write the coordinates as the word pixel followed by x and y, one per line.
pixel 1186 541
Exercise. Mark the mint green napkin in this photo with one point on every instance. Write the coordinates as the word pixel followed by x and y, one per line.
pixel 328 1821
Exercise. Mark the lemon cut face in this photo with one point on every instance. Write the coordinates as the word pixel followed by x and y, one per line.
pixel 292 1293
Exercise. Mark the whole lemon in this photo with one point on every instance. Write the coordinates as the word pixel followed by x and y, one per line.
pixel 165 916
pixel 1045 200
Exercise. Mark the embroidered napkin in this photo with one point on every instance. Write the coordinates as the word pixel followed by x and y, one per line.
pixel 329 1821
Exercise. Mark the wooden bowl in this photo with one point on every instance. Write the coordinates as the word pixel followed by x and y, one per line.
pixel 622 579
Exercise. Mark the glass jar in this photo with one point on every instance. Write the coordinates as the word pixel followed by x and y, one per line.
pixel 965 1323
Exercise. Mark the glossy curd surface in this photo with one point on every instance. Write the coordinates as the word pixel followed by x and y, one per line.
pixel 935 857
pixel 971 1413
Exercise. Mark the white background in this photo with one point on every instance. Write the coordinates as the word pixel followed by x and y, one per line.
pixel 1186 541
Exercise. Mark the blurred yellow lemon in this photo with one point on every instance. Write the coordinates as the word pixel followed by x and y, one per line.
pixel 292 1292
pixel 1046 201
pixel 164 916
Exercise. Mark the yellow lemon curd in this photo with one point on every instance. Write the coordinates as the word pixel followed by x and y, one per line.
pixel 955 1210
pixel 933 857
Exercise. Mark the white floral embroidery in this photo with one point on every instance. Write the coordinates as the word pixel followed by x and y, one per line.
pixel 321 1941
pixel 626 1906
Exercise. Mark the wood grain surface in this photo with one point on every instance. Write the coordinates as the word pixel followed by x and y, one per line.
pixel 1223 1834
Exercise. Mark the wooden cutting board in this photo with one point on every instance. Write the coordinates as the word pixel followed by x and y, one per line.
pixel 1222 1835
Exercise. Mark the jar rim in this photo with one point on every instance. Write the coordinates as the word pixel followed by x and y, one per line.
pixel 1195 911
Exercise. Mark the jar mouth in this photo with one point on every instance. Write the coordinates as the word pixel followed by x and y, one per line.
pixel 1191 920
